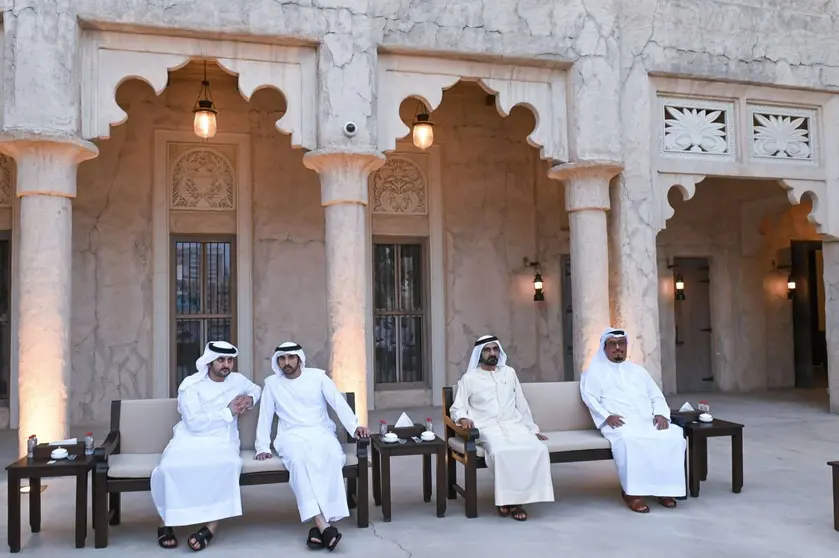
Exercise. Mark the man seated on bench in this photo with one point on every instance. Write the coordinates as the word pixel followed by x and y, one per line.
pixel 489 398
pixel 631 412
pixel 306 440
pixel 197 480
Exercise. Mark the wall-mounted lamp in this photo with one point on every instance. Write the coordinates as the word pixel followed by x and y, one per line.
pixel 790 287
pixel 538 285
pixel 680 287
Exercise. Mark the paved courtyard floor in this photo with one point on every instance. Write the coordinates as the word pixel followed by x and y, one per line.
pixel 785 509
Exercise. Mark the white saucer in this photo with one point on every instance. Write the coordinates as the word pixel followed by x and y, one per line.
pixel 705 417
pixel 428 439
pixel 58 453
pixel 389 440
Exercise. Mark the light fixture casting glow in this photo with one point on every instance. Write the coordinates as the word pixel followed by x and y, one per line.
pixel 204 123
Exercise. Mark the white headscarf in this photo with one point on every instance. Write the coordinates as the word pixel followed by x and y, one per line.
pixel 600 356
pixel 212 351
pixel 287 348
pixel 479 346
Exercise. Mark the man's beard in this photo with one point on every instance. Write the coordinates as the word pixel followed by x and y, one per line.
pixel 222 372
pixel 289 369
pixel 490 360
pixel 619 358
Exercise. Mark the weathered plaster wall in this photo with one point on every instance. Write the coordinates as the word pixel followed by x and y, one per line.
pixel 739 226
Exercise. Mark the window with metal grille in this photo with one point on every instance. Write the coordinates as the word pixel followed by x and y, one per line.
pixel 204 299
pixel 399 314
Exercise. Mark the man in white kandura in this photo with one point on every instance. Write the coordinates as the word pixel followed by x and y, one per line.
pixel 306 440
pixel 489 398
pixel 631 412
pixel 197 480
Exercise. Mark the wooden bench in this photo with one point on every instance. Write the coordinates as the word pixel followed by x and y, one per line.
pixel 140 431
pixel 559 412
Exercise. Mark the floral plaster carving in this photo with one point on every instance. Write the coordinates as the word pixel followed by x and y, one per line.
pixel 399 187
pixel 782 133
pixel 697 128
pixel 203 179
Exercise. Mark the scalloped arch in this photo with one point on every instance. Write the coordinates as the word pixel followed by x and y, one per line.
pixel 685 183
pixel 817 191
pixel 110 58
pixel 541 90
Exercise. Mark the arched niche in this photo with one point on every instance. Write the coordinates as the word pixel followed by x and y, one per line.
pixel 111 58
pixel 540 89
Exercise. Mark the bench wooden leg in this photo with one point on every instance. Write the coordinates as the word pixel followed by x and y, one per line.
pixel 100 510
pixel 362 495
pixel 116 507
pixel 471 485
pixel 836 498
pixel 451 475
pixel 352 493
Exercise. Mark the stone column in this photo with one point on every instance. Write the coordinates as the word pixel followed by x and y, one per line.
pixel 587 201
pixel 344 189
pixel 46 184
pixel 830 273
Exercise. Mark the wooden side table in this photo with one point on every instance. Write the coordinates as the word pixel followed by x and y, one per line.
pixel 834 465
pixel 381 454
pixel 35 470
pixel 698 434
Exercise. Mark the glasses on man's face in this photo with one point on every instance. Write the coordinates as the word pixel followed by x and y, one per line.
pixel 616 344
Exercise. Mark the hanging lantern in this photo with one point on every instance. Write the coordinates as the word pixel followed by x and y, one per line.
pixel 204 123
pixel 423 129
pixel 680 288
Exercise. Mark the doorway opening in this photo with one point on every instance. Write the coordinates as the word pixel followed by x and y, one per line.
pixel 692 308
pixel 808 319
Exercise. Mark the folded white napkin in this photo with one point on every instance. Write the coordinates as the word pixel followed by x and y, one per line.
pixel 404 421
pixel 686 408
pixel 68 442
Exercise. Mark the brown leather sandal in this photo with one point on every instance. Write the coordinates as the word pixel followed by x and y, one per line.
pixel 635 503
pixel 667 502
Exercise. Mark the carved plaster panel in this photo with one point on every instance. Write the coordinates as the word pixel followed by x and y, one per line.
pixel 783 133
pixel 201 178
pixel 696 128
pixel 7 180
pixel 110 58
pixel 399 187
pixel 542 90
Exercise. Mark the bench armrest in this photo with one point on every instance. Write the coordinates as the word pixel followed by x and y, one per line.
pixel 109 446
pixel 468 434
pixel 361 451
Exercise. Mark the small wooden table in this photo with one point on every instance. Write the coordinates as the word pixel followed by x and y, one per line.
pixel 835 466
pixel 382 452
pixel 697 434
pixel 35 470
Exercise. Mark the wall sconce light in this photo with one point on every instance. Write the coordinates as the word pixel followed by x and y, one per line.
pixel 538 284
pixel 204 123
pixel 790 287
pixel 680 287
pixel 423 128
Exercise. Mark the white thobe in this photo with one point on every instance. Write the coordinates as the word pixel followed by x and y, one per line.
pixel 197 480
pixel 306 439
pixel 650 462
pixel 520 462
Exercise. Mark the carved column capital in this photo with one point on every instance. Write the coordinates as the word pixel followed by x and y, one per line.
pixel 343 173
pixel 586 183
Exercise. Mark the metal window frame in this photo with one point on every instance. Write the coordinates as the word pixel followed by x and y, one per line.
pixel 203 239
pixel 425 287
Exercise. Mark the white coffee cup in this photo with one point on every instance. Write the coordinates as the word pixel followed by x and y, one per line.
pixel 58 453
pixel 705 417
pixel 390 437
pixel 428 435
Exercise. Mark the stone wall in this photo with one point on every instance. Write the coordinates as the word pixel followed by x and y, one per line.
pixel 739 226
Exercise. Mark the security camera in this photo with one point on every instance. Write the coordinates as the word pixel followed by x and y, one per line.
pixel 350 129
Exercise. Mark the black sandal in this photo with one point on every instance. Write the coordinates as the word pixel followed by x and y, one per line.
pixel 166 535
pixel 202 538
pixel 518 513
pixel 331 537
pixel 314 540
pixel 503 511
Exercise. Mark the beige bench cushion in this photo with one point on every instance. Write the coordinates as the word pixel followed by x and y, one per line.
pixel 569 440
pixel 557 406
pixel 140 465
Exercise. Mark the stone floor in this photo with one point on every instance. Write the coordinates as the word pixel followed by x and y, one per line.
pixel 785 509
